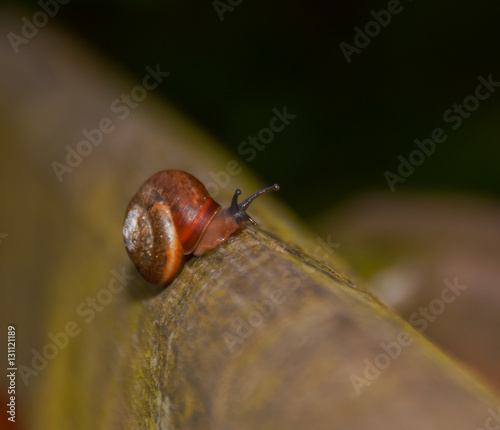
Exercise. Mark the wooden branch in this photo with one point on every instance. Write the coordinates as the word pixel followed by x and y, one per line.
pixel 258 335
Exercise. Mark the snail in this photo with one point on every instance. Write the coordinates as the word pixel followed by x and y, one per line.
pixel 173 215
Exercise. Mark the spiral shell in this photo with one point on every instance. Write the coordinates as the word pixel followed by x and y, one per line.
pixel 164 221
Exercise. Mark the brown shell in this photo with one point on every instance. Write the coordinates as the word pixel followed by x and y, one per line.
pixel 191 206
pixel 152 243
pixel 164 220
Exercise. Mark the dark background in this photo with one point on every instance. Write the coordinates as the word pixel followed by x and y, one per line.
pixel 353 120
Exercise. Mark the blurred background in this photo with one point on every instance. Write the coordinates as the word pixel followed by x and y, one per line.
pixel 360 102
pixel 353 119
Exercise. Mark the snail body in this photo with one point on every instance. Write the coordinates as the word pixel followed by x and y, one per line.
pixel 173 215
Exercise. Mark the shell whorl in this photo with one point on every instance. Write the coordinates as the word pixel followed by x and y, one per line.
pixel 152 241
